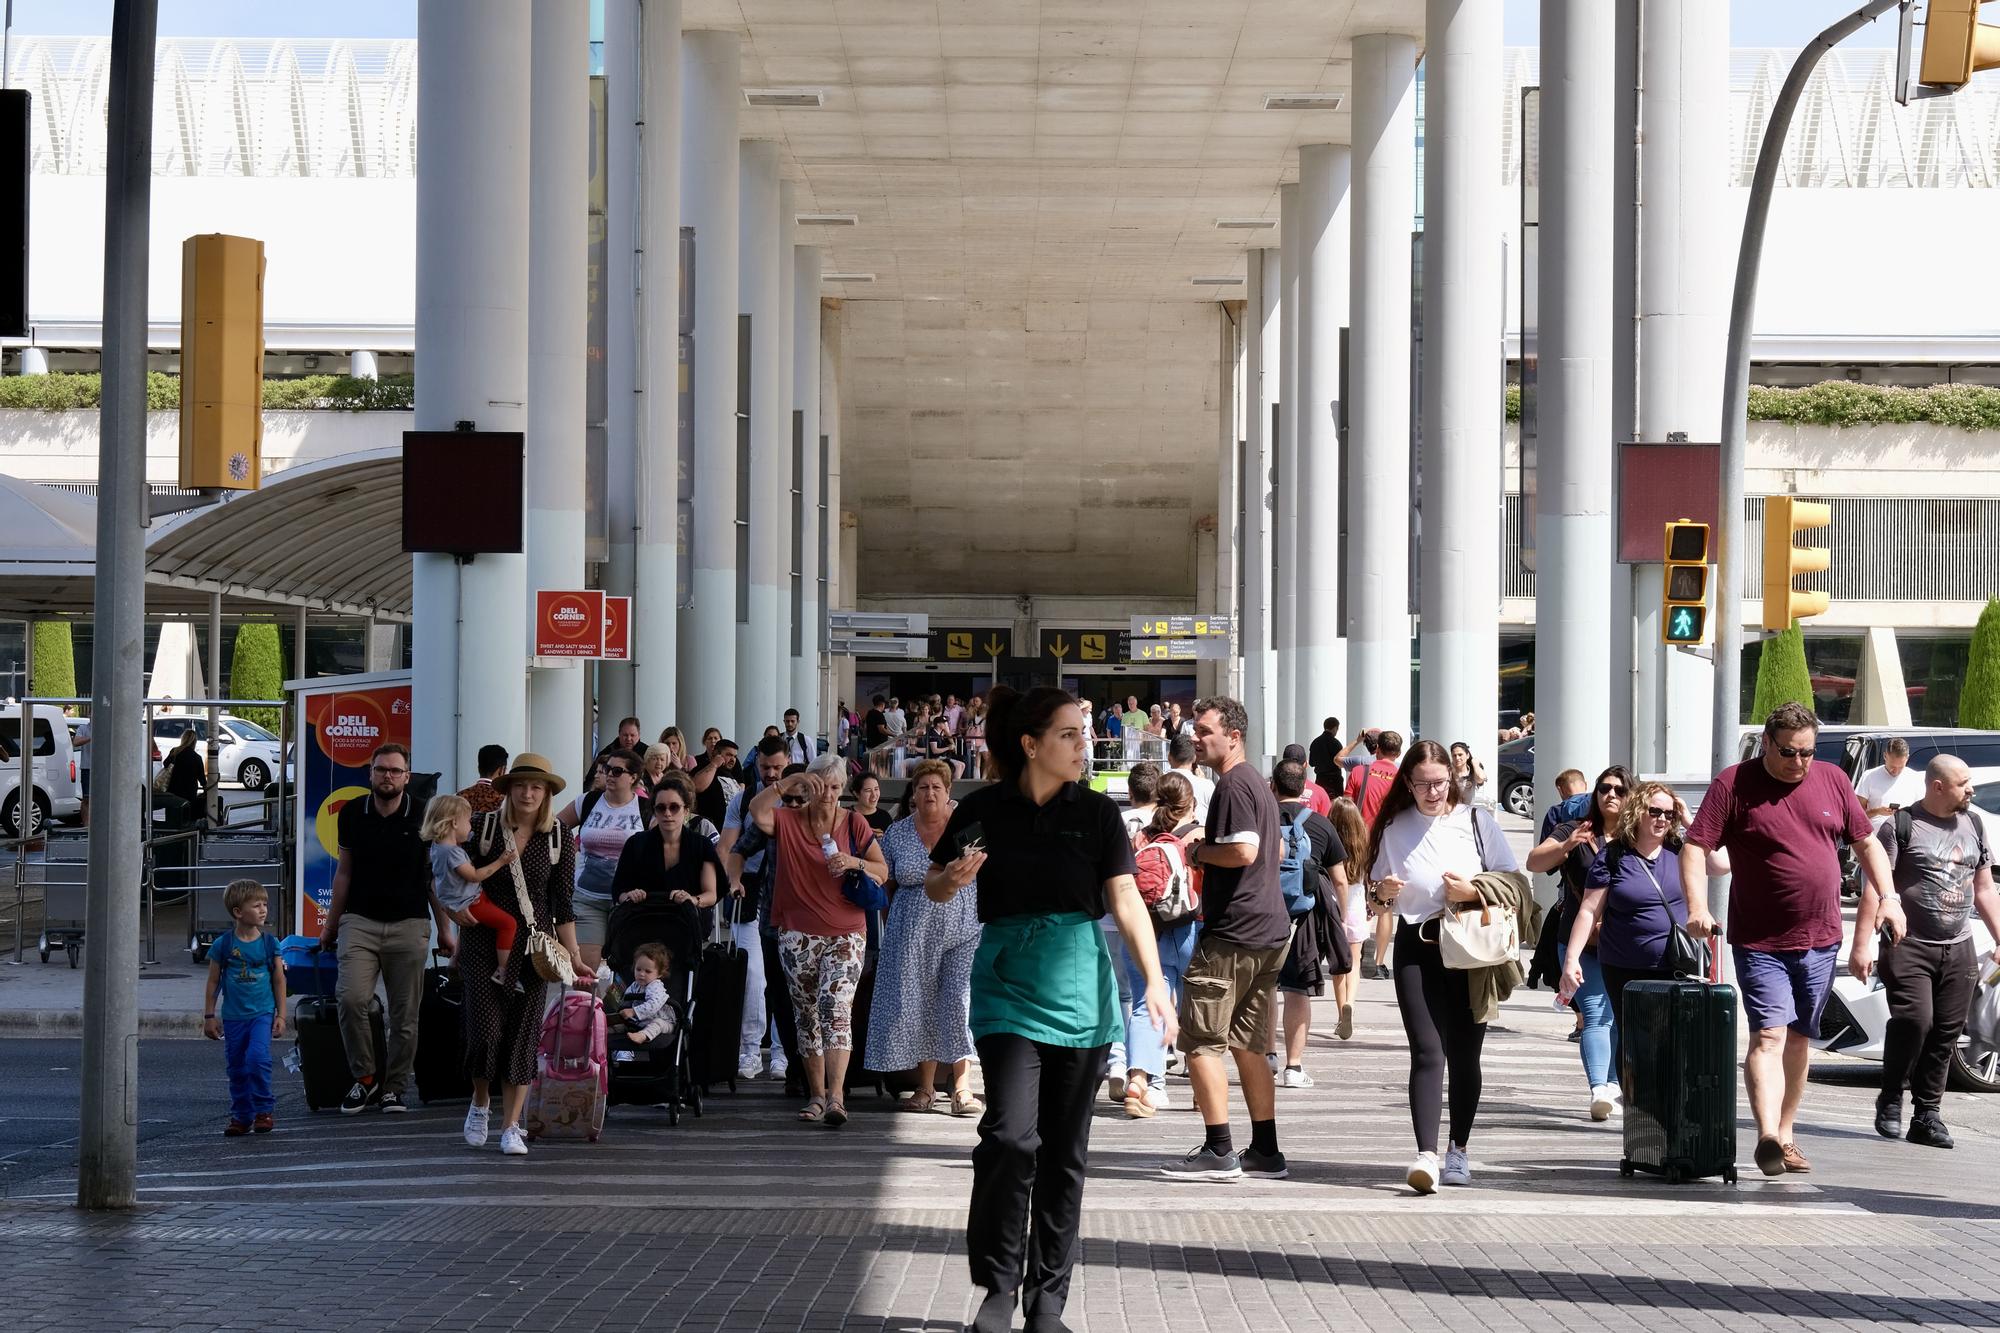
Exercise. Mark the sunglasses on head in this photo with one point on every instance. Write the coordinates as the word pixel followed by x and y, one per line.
pixel 1610 789
pixel 1789 753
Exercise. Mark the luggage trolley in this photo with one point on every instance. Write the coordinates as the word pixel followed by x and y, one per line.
pixel 220 858
pixel 64 874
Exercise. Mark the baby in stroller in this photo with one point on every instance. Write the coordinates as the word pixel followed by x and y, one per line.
pixel 650 947
pixel 653 1014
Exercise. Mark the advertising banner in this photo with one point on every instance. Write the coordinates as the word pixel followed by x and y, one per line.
pixel 340 722
pixel 617 629
pixel 569 623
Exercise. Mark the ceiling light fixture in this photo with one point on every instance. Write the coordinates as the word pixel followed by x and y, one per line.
pixel 793 98
pixel 827 219
pixel 1302 101
pixel 1217 281
pixel 1244 224
pixel 847 277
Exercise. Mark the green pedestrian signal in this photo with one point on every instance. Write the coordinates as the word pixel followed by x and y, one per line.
pixel 1685 624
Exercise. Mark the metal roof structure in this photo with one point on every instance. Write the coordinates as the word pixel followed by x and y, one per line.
pixel 322 536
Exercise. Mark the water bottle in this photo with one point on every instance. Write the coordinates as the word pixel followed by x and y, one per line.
pixel 827 847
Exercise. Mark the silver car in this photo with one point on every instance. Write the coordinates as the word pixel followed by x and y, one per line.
pixel 249 754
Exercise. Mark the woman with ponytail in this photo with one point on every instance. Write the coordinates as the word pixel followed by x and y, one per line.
pixel 1049 857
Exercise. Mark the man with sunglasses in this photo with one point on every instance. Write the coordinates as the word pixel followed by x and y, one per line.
pixel 748 877
pixel 1782 819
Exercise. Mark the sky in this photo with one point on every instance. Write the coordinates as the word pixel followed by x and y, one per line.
pixel 1784 23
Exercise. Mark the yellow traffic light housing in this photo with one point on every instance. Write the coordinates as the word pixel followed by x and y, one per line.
pixel 1956 44
pixel 1684 596
pixel 1784 560
pixel 222 363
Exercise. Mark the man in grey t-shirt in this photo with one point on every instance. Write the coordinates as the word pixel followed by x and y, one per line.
pixel 1942 868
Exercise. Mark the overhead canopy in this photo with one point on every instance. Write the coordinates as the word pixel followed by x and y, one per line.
pixel 325 536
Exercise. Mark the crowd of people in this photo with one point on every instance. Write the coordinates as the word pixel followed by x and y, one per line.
pixel 1070 944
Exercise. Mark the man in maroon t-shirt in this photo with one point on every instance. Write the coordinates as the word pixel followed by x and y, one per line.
pixel 1782 819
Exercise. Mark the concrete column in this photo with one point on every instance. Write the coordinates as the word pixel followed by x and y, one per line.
pixel 1880 697
pixel 1686 254
pixel 470 619
pixel 34 361
pixel 757 703
pixel 1228 487
pixel 360 364
pixel 1321 689
pixel 711 87
pixel 805 655
pixel 624 80
pixel 850 582
pixel 657 436
pixel 1260 392
pixel 301 660
pixel 784 532
pixel 1378 413
pixel 1573 501
pixel 839 671
pixel 558 331
pixel 1463 411
pixel 1284 596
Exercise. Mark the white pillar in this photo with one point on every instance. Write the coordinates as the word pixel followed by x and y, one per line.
pixel 1685 261
pixel 558 331
pixel 770 502
pixel 1228 486
pixel 1284 597
pixel 1260 393
pixel 360 364
pixel 710 89
pixel 805 399
pixel 470 619
pixel 1463 411
pixel 624 81
pixel 657 436
pixel 839 671
pixel 1573 500
pixel 1378 414
pixel 784 532
pixel 1321 688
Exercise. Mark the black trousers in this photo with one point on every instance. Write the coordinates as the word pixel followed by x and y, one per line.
pixel 1033 1142
pixel 778 1001
pixel 1930 992
pixel 1436 1004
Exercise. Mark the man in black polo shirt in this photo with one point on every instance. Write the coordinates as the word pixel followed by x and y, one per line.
pixel 380 921
pixel 1226 991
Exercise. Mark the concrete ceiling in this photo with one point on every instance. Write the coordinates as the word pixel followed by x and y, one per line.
pixel 1014 149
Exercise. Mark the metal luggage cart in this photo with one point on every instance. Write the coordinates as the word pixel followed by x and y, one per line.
pixel 64 874
pixel 208 917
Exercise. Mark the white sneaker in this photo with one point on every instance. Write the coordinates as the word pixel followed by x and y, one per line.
pixel 1156 1093
pixel 747 1072
pixel 1457 1167
pixel 1114 1083
pixel 1603 1101
pixel 513 1143
pixel 1276 1067
pixel 476 1122
pixel 1423 1173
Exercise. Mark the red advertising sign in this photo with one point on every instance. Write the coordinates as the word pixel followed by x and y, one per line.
pixel 617 629
pixel 569 624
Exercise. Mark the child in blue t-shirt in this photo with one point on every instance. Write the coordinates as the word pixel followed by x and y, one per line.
pixel 243 967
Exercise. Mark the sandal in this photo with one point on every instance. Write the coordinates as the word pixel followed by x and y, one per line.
pixel 836 1115
pixel 812 1110
pixel 963 1103
pixel 919 1102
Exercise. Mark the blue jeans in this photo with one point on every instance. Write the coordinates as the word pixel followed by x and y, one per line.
pixel 1600 1025
pixel 1147 1051
pixel 246 1045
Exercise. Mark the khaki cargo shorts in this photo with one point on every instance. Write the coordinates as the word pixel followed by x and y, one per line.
pixel 1226 996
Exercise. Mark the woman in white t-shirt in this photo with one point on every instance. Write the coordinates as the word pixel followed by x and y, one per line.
pixel 603 822
pixel 1424 848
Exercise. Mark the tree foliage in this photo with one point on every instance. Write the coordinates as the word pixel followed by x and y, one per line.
pixel 1979 700
pixel 54 660
pixel 257 671
pixel 1782 677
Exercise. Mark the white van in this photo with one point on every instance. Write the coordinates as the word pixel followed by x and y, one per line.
pixel 58 792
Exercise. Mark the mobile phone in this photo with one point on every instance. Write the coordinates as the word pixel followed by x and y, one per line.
pixel 972 838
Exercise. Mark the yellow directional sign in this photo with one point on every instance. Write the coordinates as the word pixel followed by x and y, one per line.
pixel 969 643
pixel 1084 645
pixel 1091 647
pixel 958 646
pixel 1181 627
pixel 996 644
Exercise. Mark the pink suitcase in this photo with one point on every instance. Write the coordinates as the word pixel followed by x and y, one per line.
pixel 572 1072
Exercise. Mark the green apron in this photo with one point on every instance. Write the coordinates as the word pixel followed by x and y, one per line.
pixel 1046 978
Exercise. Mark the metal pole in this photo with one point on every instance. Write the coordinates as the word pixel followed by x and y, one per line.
pixel 107 1144
pixel 24 794
pixel 1736 386
pixel 212 806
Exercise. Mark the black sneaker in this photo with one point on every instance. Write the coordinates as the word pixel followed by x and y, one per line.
pixel 393 1102
pixel 1889 1118
pixel 1262 1166
pixel 360 1097
pixel 1927 1130
pixel 1201 1164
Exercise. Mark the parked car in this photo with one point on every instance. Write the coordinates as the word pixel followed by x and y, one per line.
pixel 1979 749
pixel 58 793
pixel 248 753
pixel 1829 748
pixel 1517 777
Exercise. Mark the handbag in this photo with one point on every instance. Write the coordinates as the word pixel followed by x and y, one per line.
pixel 551 961
pixel 1686 956
pixel 861 888
pixel 1476 937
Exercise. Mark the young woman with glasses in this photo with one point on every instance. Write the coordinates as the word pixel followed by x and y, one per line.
pixel 1569 851
pixel 1424 848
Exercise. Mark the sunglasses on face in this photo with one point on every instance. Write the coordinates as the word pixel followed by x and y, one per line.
pixel 613 771
pixel 1610 789
pixel 793 801
pixel 1787 753
pixel 1655 812
pixel 668 808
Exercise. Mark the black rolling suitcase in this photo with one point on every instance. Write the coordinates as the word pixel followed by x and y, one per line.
pixel 1678 1042
pixel 440 1062
pixel 322 1058
pixel 717 1022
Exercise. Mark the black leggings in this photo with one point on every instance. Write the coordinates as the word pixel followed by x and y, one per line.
pixel 1436 1003
pixel 1616 979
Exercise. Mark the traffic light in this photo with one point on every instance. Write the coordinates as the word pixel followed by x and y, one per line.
pixel 1684 596
pixel 222 363
pixel 1784 519
pixel 1956 43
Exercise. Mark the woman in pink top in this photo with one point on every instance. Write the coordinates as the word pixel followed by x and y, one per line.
pixel 822 937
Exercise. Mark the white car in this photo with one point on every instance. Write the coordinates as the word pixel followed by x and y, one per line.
pixel 248 753
pixel 58 792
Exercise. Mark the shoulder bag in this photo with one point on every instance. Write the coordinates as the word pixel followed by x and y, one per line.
pixel 1686 957
pixel 860 887
pixel 551 961
pixel 1478 935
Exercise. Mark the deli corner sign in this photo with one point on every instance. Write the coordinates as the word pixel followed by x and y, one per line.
pixel 581 624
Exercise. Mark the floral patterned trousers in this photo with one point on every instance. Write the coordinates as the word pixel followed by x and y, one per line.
pixel 822 972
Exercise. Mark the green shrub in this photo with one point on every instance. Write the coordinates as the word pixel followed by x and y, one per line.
pixel 257 671
pixel 70 392
pixel 1979 699
pixel 1782 677
pixel 55 660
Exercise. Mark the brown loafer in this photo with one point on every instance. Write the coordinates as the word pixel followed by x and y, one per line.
pixel 1770 1157
pixel 1795 1161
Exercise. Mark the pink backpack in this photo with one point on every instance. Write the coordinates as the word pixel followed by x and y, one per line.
pixel 572 1072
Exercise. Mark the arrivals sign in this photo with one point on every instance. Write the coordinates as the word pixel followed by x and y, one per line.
pixel 569 623
pixel 1181 627
pixel 1087 646
pixel 970 643
pixel 341 721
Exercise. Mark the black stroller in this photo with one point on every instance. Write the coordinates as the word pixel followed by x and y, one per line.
pixel 655 1073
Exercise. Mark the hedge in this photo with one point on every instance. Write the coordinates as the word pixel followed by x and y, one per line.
pixel 1979 698
pixel 54 660
pixel 1782 676
pixel 339 393
pixel 1841 403
pixel 257 671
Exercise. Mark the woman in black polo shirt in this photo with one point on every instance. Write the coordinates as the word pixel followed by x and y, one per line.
pixel 1049 857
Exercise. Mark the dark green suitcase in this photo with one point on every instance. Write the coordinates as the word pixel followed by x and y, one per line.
pixel 1678 1043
